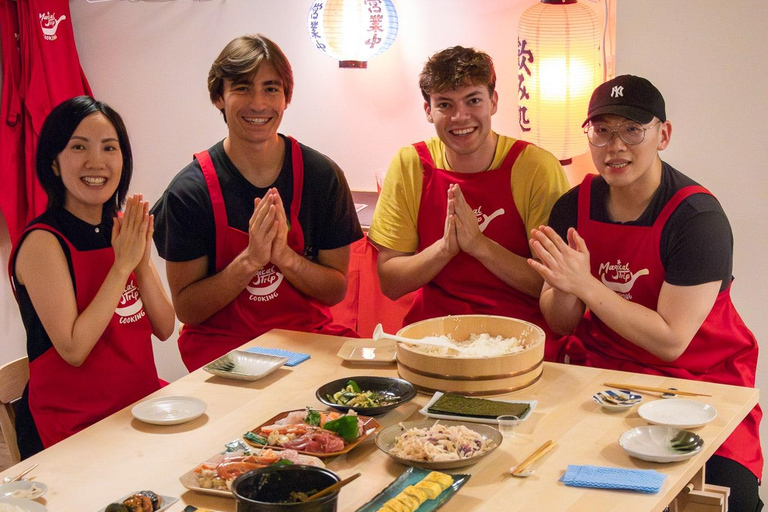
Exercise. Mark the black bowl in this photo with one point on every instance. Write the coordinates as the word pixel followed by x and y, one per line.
pixel 269 489
pixel 388 385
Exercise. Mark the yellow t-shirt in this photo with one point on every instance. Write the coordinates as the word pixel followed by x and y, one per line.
pixel 538 180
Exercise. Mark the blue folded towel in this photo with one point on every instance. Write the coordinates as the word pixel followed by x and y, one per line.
pixel 642 480
pixel 294 358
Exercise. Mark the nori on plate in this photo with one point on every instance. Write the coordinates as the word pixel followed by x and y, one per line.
pixel 458 405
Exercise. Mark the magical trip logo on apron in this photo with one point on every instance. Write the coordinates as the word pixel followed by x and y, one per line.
pixel 130 308
pixel 619 277
pixel 263 287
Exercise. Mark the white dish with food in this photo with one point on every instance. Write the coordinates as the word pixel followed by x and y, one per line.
pixel 242 365
pixel 20 505
pixel 677 412
pixel 143 497
pixel 168 410
pixel 614 401
pixel 656 443
pixel 23 489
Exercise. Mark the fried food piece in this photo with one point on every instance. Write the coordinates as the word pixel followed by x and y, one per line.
pixel 431 489
pixel 418 494
pixel 444 480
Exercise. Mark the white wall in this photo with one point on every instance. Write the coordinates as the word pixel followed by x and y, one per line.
pixel 705 57
pixel 150 61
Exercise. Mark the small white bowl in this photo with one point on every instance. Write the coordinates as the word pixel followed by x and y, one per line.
pixel 23 489
pixel 617 400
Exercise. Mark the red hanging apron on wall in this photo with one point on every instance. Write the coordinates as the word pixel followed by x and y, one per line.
pixel 627 260
pixel 120 369
pixel 464 286
pixel 269 301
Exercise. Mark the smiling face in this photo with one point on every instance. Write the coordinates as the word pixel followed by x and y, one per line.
pixel 462 119
pixel 623 165
pixel 90 167
pixel 253 107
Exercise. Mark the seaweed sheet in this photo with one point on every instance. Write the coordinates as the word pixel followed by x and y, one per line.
pixel 458 405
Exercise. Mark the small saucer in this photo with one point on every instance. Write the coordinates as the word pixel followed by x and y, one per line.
pixel 23 489
pixel 621 400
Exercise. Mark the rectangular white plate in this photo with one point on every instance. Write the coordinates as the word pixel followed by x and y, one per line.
pixel 492 421
pixel 368 351
pixel 241 365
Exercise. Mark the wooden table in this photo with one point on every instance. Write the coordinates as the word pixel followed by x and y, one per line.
pixel 121 454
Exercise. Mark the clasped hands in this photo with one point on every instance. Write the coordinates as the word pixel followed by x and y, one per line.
pixel 564 266
pixel 132 236
pixel 268 232
pixel 461 231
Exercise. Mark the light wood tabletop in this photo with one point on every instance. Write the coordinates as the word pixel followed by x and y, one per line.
pixel 120 454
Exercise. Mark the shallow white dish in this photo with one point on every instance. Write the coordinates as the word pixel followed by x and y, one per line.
pixel 651 443
pixel 456 417
pixel 617 401
pixel 241 365
pixel 368 351
pixel 25 505
pixel 32 490
pixel 168 410
pixel 677 412
pixel 165 501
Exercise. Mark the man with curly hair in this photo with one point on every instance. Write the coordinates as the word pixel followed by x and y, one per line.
pixel 455 211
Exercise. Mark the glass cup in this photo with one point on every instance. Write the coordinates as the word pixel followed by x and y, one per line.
pixel 507 424
pixel 379 175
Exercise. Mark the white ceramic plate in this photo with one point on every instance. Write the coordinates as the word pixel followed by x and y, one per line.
pixel 677 412
pixel 165 501
pixel 368 351
pixel 241 365
pixel 25 505
pixel 491 421
pixel 168 410
pixel 25 489
pixel 651 443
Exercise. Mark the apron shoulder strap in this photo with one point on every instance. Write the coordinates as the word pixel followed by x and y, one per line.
pixel 585 202
pixel 220 220
pixel 513 154
pixel 426 158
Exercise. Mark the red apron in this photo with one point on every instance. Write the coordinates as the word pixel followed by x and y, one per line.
pixel 464 286
pixel 120 369
pixel 269 301
pixel 627 260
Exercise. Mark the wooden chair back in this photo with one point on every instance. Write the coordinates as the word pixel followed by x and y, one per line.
pixel 13 378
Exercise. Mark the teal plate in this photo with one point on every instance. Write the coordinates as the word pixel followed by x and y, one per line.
pixel 412 476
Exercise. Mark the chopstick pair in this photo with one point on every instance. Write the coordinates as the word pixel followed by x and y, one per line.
pixel 533 457
pixel 635 387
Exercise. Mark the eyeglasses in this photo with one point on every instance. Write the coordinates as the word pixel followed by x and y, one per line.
pixel 600 134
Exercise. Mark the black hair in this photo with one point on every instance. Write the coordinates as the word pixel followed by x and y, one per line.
pixel 58 128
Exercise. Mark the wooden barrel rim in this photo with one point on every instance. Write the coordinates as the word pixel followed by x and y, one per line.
pixel 464 377
pixel 423 389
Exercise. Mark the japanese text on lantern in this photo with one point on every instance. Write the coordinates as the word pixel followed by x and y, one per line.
pixel 313 24
pixel 376 20
pixel 524 56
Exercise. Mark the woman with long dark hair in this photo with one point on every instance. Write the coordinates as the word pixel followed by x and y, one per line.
pixel 89 294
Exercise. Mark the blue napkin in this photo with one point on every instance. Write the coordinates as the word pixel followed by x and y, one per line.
pixel 294 358
pixel 642 480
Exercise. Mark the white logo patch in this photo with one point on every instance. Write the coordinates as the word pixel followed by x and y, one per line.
pixel 263 286
pixel 483 220
pixel 130 308
pixel 617 90
pixel 50 24
pixel 621 277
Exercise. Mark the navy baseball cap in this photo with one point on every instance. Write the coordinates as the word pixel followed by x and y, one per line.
pixel 628 96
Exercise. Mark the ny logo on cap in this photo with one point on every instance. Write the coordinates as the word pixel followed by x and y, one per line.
pixel 618 90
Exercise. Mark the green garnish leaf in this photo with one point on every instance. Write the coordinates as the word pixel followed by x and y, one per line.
pixel 312 418
pixel 255 438
pixel 345 426
pixel 282 462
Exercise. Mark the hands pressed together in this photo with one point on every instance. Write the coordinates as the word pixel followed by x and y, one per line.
pixel 461 229
pixel 563 266
pixel 268 232
pixel 132 236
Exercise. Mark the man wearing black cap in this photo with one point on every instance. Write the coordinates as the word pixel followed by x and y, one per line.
pixel 637 267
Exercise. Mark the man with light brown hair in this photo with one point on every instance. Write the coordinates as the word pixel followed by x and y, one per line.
pixel 455 211
pixel 256 230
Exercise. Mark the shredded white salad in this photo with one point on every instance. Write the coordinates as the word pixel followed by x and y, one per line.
pixel 440 443
pixel 479 345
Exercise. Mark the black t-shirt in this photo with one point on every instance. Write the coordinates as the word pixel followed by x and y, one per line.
pixel 696 243
pixel 184 224
pixel 84 237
